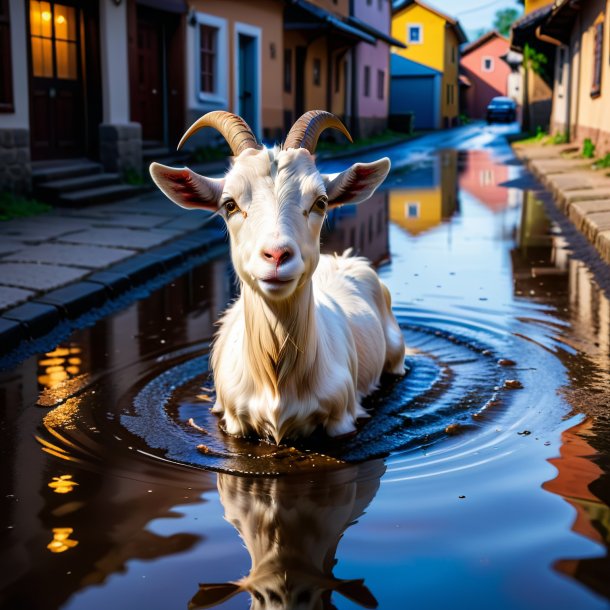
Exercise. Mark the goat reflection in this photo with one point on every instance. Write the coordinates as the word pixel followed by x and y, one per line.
pixel 291 527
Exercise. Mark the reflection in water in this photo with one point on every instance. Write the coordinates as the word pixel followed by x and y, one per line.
pixel 291 528
pixel 61 540
pixel 431 196
pixel 55 367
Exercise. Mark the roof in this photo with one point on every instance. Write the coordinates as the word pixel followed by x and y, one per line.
pixel 401 66
pixel 479 42
pixel 524 29
pixel 399 5
pixel 305 15
pixel 559 24
pixel 369 29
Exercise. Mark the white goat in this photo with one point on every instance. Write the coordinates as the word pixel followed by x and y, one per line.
pixel 310 334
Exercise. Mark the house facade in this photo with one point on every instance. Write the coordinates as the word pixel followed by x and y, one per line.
pixel 488 74
pixel 582 75
pixel 433 39
pixel 118 81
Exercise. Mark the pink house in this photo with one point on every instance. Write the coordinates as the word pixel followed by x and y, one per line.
pixel 486 72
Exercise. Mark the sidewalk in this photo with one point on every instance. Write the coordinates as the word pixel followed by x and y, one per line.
pixel 579 190
pixel 56 267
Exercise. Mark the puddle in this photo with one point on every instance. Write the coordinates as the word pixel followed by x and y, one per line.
pixel 481 479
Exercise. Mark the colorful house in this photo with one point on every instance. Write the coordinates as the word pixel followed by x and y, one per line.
pixel 481 62
pixel 415 95
pixel 582 75
pixel 433 39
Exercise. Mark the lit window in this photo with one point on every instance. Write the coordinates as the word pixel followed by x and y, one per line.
pixel 414 34
pixel 487 64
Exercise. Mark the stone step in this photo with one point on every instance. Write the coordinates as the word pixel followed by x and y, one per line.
pixel 163 155
pixel 67 185
pixel 52 171
pixel 101 194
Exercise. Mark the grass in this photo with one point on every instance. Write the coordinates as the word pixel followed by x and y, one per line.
pixel 385 137
pixel 204 154
pixel 540 137
pixel 14 206
pixel 588 149
pixel 602 163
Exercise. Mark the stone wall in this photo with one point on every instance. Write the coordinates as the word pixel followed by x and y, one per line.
pixel 371 126
pixel 121 147
pixel 15 163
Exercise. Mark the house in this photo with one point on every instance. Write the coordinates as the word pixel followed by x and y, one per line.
pixel 481 62
pixel 581 91
pixel 415 95
pixel 538 64
pixel 433 39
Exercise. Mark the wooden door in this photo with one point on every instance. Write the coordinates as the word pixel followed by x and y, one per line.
pixel 56 69
pixel 150 82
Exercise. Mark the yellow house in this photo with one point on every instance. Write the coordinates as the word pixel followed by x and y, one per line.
pixel 432 39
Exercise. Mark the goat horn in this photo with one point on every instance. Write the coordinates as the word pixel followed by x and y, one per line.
pixel 306 131
pixel 232 127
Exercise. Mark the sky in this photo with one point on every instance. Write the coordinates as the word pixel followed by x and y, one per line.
pixel 473 14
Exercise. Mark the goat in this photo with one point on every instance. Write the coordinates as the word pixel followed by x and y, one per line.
pixel 291 530
pixel 310 334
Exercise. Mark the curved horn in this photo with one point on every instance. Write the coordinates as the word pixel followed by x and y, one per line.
pixel 306 131
pixel 232 127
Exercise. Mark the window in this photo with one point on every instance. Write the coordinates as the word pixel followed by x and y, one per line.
pixel 561 60
pixel 452 55
pixel 367 81
pixel 317 69
pixel 487 64
pixel 412 209
pixel 6 75
pixel 414 34
pixel 380 84
pixel 287 70
pixel 448 94
pixel 208 48
pixel 210 65
pixel 596 85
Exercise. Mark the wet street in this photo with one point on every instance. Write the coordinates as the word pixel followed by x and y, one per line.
pixel 481 480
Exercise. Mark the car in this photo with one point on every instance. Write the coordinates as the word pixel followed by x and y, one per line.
pixel 501 109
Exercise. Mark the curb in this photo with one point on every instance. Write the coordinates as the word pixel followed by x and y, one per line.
pixel 119 283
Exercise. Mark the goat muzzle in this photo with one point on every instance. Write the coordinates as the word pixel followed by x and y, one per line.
pixel 233 128
pixel 306 131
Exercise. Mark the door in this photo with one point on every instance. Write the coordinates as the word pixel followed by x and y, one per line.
pixel 247 80
pixel 56 67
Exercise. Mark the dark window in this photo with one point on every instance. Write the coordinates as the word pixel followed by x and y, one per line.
pixel 338 62
pixel 367 81
pixel 317 68
pixel 287 70
pixel 452 55
pixel 6 74
pixel 596 86
pixel 380 84
pixel 208 36
pixel 448 93
pixel 414 34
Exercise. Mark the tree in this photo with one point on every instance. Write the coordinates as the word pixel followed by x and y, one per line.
pixel 504 18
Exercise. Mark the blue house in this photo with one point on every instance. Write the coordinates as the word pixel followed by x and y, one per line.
pixel 414 89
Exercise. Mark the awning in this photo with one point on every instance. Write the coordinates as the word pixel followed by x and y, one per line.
pixel 378 34
pixel 302 15
pixel 560 22
pixel 524 29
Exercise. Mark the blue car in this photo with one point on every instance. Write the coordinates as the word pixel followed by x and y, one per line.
pixel 501 109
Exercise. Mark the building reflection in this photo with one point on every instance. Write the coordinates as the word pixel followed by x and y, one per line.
pixel 363 227
pixel 291 527
pixel 482 177
pixel 544 269
pixel 431 196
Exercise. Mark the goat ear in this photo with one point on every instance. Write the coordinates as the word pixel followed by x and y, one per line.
pixel 357 183
pixel 212 595
pixel 186 188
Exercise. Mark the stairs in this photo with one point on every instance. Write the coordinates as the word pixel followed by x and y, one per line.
pixel 156 151
pixel 78 183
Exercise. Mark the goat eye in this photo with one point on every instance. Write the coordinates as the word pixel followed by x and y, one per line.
pixel 231 207
pixel 320 204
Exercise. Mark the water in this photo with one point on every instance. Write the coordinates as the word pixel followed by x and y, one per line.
pixel 480 482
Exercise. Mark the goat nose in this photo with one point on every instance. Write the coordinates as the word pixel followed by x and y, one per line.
pixel 278 256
